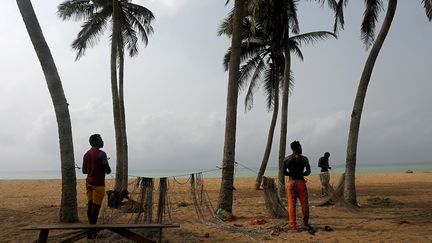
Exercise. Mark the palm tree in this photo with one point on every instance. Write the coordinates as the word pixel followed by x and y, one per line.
pixel 130 22
pixel 371 13
pixel 225 199
pixel 68 209
pixel 284 20
pixel 285 15
pixel 262 62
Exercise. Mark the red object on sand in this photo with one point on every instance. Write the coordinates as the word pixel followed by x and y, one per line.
pixel 259 222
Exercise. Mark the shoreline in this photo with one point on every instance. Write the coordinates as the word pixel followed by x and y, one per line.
pixel 241 177
pixel 240 172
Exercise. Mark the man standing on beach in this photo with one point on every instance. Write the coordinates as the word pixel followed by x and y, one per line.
pixel 95 165
pixel 323 163
pixel 294 167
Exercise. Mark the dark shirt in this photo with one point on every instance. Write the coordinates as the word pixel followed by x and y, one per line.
pixel 95 165
pixel 323 163
pixel 295 165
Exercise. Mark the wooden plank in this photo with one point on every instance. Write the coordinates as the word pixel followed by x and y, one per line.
pixel 98 226
pixel 43 236
pixel 131 235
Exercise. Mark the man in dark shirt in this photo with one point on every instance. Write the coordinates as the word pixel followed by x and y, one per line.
pixel 294 167
pixel 95 165
pixel 323 163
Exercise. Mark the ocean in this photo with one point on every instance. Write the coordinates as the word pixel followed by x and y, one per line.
pixel 240 171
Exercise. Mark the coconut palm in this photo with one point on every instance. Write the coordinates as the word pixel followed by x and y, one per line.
pixel 225 199
pixel 263 63
pixel 130 22
pixel 68 207
pixel 372 10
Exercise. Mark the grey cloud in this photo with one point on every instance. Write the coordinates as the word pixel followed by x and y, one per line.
pixel 171 139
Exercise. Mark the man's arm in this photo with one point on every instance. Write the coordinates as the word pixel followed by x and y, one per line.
pixel 285 167
pixel 308 168
pixel 104 161
pixel 84 166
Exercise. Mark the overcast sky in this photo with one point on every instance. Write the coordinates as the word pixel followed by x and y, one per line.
pixel 176 91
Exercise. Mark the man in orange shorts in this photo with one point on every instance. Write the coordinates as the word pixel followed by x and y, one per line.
pixel 296 166
pixel 95 165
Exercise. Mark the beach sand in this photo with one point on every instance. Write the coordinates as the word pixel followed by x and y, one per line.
pixel 408 219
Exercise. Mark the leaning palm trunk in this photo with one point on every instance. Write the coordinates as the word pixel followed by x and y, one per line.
pixel 349 188
pixel 68 209
pixel 123 125
pixel 270 133
pixel 272 200
pixel 226 189
pixel 284 121
pixel 115 98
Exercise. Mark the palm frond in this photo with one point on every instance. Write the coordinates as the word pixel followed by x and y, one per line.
pixel 337 7
pixel 291 83
pixel 292 17
pixel 294 48
pixel 370 18
pixel 271 85
pixel 246 70
pixel 248 50
pixel 312 37
pixel 77 9
pixel 331 3
pixel 91 31
pixel 225 28
pixel 140 19
pixel 428 8
pixel 128 36
pixel 253 85
pixel 339 16
pixel 226 59
pixel 141 13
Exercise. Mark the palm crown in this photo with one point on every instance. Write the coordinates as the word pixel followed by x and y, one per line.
pixel 134 22
pixel 262 46
pixel 373 8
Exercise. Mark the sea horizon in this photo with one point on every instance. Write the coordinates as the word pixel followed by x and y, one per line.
pixel 240 171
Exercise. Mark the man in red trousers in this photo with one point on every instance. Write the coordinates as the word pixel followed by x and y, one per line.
pixel 296 166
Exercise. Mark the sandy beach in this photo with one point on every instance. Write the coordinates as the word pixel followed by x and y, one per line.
pixel 405 214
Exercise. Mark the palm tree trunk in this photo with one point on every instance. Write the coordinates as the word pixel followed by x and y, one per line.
pixel 270 133
pixel 123 124
pixel 349 189
pixel 226 189
pixel 284 120
pixel 68 208
pixel 115 98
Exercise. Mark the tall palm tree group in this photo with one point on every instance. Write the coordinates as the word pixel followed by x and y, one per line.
pixel 264 28
pixel 264 34
pixel 263 61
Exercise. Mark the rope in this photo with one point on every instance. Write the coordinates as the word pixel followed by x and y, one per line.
pixel 188 174
pixel 181 183
pixel 237 163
